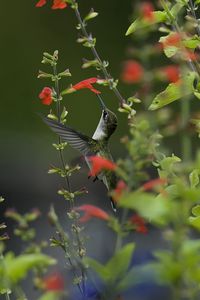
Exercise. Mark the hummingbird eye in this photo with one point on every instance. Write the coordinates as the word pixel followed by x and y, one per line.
pixel 105 115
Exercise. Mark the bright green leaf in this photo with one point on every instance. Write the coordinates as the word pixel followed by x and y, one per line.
pixel 196 211
pixel 140 23
pixel 152 208
pixel 174 91
pixel 16 268
pixel 119 263
pixel 194 178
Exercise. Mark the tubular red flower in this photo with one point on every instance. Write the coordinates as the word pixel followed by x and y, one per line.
pixel 153 183
pixel 41 3
pixel 100 163
pixel 46 96
pixel 147 11
pixel 132 72
pixel 91 211
pixel 86 84
pixel 171 72
pixel 59 4
pixel 139 224
pixel 53 282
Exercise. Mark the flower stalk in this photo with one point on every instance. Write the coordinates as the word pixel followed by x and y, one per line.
pixel 101 64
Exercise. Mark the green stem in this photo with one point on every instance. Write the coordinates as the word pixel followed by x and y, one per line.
pixel 96 55
pixel 119 240
pixel 58 97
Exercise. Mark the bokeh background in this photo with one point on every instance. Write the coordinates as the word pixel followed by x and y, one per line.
pixel 26 152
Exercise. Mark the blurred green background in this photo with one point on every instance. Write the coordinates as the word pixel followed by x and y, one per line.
pixel 26 32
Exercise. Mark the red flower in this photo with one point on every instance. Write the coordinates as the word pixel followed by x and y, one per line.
pixel 153 183
pixel 41 3
pixel 173 39
pixel 171 72
pixel 85 84
pixel 92 211
pixel 139 224
pixel 57 4
pixel 189 55
pixel 99 163
pixel 147 11
pixel 120 187
pixel 132 72
pixel 53 282
pixel 46 96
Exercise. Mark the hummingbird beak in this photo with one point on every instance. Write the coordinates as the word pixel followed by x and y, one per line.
pixel 101 102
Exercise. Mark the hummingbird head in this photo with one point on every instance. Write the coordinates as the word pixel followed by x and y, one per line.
pixel 107 123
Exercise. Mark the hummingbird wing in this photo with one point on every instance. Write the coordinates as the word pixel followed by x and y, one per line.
pixel 77 140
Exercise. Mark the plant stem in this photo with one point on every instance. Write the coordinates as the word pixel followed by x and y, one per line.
pixel 96 55
pixel 119 239
pixel 67 182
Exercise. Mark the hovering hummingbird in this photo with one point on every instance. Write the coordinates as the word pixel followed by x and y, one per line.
pixel 87 146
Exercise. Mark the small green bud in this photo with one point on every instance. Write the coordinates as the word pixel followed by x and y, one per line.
pixel 92 14
pixel 65 73
pixel 52 216
pixel 42 74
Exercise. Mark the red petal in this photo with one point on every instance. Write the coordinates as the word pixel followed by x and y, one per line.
pixel 54 282
pixel 41 3
pixel 59 4
pixel 92 211
pixel 100 163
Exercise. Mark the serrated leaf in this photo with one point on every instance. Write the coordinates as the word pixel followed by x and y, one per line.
pixel 174 91
pixel 140 23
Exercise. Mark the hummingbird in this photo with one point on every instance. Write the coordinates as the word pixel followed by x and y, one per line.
pixel 89 146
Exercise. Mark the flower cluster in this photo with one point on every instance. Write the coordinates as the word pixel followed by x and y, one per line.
pixel 57 4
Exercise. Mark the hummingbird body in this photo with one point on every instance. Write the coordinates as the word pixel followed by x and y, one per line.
pixel 97 145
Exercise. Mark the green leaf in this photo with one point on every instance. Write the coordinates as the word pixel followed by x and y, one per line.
pixel 119 263
pixel 140 23
pixel 116 267
pixel 100 269
pixel 169 50
pixel 192 42
pixel 174 91
pixel 194 178
pixel 196 211
pixel 153 208
pixel 16 268
pixel 175 10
